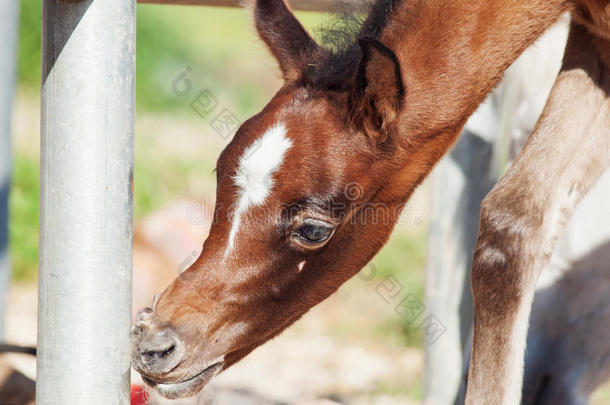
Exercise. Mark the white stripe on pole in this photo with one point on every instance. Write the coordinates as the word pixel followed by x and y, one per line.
pixel 87 124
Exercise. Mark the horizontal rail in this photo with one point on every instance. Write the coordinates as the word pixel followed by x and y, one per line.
pixel 303 5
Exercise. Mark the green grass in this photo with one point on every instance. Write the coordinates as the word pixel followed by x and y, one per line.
pixel 219 45
pixel 23 221
pixel 160 179
pixel 404 258
pixel 29 43
pixel 156 184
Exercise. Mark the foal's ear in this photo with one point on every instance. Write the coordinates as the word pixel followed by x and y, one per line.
pixel 285 37
pixel 378 89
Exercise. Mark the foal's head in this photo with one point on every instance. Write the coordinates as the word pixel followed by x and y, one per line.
pixel 308 191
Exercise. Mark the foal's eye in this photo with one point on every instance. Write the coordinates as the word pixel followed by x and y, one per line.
pixel 313 233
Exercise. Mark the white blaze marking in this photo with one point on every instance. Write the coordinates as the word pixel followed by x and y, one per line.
pixel 301 265
pixel 253 178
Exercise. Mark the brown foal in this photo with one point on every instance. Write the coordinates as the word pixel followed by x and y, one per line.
pixel 360 128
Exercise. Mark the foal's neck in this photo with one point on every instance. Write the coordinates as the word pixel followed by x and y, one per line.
pixel 453 53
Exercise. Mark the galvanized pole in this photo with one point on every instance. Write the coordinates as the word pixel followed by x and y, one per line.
pixel 9 21
pixel 84 312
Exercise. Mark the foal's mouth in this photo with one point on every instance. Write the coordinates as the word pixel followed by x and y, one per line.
pixel 188 387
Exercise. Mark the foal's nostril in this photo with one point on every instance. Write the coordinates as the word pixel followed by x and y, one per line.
pixel 151 356
pixel 158 352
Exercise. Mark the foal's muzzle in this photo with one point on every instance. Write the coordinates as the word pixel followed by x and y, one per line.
pixel 155 352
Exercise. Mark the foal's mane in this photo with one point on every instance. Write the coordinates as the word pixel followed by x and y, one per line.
pixel 339 35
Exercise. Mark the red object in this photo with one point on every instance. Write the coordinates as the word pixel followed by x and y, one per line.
pixel 138 395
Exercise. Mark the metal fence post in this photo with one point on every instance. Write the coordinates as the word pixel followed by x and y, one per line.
pixel 9 21
pixel 87 124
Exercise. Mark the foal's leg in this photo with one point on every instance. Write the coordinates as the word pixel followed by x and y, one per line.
pixel 523 215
